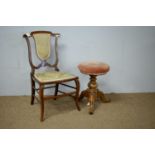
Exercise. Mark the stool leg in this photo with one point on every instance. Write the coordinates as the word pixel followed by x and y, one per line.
pixel 102 96
pixel 91 101
pixel 92 93
pixel 83 94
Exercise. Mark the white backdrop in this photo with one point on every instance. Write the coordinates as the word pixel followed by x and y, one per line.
pixel 130 52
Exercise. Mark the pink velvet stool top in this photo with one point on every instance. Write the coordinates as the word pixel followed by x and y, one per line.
pixel 93 68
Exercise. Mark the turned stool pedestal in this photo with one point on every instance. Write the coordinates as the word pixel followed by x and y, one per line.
pixel 93 69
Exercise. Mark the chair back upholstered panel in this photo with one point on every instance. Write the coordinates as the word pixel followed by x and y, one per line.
pixel 43 49
pixel 43 45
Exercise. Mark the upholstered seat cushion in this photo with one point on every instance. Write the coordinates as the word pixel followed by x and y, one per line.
pixel 93 68
pixel 53 76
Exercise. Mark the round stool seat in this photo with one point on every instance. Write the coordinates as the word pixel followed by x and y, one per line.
pixel 93 68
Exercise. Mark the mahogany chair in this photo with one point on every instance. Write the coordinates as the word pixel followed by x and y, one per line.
pixel 51 78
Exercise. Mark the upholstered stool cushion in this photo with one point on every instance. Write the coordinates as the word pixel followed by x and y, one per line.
pixel 93 68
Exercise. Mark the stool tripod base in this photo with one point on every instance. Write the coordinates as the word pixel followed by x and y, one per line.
pixel 92 93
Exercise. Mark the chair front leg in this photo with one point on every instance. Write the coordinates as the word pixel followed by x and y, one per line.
pixel 41 95
pixel 77 93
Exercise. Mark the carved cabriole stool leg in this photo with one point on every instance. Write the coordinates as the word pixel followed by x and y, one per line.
pixel 102 96
pixel 83 94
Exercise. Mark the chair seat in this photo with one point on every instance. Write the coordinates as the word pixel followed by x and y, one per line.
pixel 93 68
pixel 44 77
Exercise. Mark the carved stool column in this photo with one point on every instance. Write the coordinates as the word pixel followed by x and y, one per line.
pixel 93 69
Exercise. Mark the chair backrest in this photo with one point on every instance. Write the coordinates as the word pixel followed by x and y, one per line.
pixel 43 48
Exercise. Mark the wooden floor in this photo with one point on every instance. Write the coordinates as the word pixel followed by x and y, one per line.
pixel 126 111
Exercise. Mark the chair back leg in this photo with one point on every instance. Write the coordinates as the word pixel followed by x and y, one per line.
pixel 56 90
pixel 41 95
pixel 32 90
